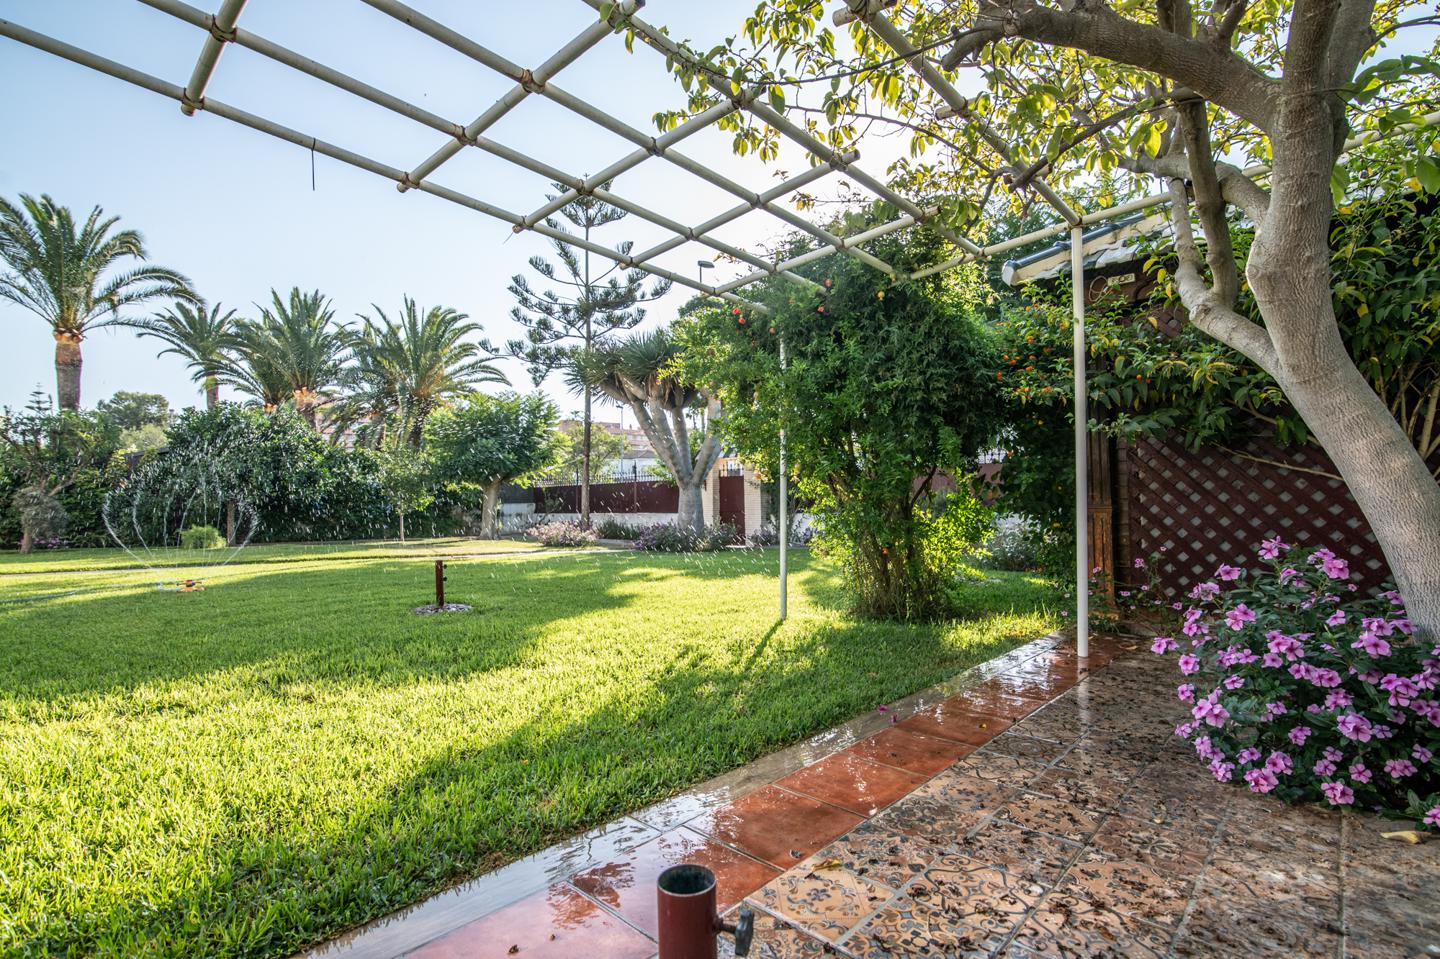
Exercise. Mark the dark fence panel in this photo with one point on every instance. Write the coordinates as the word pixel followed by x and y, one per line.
pixel 1214 506
pixel 642 496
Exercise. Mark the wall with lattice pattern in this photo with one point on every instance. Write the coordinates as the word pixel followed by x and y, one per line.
pixel 1212 506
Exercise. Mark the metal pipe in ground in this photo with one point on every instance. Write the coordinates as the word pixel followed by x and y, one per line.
pixel 689 923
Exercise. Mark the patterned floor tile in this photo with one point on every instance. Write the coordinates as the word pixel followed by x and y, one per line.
pixel 1073 928
pixel 627 884
pixel 915 752
pixel 1094 792
pixel 1024 853
pixel 1178 851
pixel 951 912
pixel 1009 771
pixel 853 783
pixel 1053 816
pixel 558 923
pixel 826 901
pixel 1131 888
pixel 1019 746
pixel 1218 926
pixel 880 853
pixel 777 939
pixel 775 825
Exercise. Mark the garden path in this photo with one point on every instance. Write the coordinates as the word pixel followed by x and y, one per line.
pixel 1035 806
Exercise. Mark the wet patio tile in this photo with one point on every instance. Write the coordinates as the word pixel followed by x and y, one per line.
pixel 853 783
pixel 915 752
pixel 1218 926
pixel 1024 853
pixel 877 851
pixel 1131 888
pixel 627 884
pixel 778 939
pixel 1008 771
pixel 1095 792
pixel 1001 702
pixel 952 911
pixel 776 825
pixel 1053 816
pixel 1073 928
pixel 826 901
pixel 945 808
pixel 1175 851
pixel 558 923
pixel 955 720
pixel 1012 743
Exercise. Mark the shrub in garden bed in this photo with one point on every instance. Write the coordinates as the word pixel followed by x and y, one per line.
pixel 612 528
pixel 768 535
pixel 669 538
pixel 563 534
pixel 201 537
pixel 1301 687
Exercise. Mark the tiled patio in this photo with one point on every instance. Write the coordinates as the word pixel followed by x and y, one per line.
pixel 1034 807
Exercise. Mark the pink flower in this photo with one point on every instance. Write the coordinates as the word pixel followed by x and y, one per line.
pixel 1333 754
pixel 1139 563
pixel 1427 709
pixel 1323 767
pixel 1337 698
pixel 1189 664
pixel 1354 726
pixel 1162 644
pixel 1320 555
pixel 1237 618
pixel 1432 818
pixel 1299 734
pixel 1210 710
pixel 1336 568
pixel 1399 768
pixel 1282 645
pixel 1185 692
pixel 1185 730
pixel 1324 678
pixel 1205 592
pixel 1271 661
pixel 1288 573
pixel 1274 709
pixel 1247 755
pixel 1338 793
pixel 1359 773
pixel 1271 548
pixel 1279 763
pixel 1401 689
pixel 1261 780
pixel 1336 618
pixel 1422 755
pixel 1222 770
pixel 1228 573
pixel 1234 682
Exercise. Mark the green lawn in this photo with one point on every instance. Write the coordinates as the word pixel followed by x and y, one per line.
pixel 84 560
pixel 249 769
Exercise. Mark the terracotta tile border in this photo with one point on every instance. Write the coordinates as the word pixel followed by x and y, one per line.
pixel 469 916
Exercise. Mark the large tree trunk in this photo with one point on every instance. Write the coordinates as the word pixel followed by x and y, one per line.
pixel 67 370
pixel 691 515
pixel 490 517
pixel 212 391
pixel 27 542
pixel 402 526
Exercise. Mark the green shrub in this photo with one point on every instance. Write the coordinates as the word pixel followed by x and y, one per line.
pixel 612 528
pixel 563 534
pixel 669 538
pixel 201 537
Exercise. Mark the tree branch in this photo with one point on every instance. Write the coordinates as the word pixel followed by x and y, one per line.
pixel 1209 201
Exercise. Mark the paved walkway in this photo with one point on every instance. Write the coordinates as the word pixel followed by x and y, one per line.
pixel 1035 807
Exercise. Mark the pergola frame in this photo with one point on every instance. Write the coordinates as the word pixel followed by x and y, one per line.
pixel 222 28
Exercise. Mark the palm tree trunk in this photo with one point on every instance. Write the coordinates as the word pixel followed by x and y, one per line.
pixel 67 370
pixel 212 391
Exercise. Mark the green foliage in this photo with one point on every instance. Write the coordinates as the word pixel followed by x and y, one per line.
pixel 148 437
pixel 563 534
pixel 484 441
pixel 41 515
pixel 132 411
pixel 606 449
pixel 1386 277
pixel 674 538
pixel 201 337
pixel 63 455
pixel 342 758
pixel 611 528
pixel 296 351
pixel 201 537
pixel 886 386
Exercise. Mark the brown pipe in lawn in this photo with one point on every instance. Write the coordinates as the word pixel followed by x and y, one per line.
pixel 439 584
pixel 689 923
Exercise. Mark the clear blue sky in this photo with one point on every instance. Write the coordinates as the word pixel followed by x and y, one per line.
pixel 234 209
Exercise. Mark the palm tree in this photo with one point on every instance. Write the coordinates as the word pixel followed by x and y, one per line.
pixel 296 346
pixel 70 277
pixel 639 373
pixel 203 338
pixel 404 370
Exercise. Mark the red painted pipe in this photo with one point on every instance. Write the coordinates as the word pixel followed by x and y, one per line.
pixel 689 923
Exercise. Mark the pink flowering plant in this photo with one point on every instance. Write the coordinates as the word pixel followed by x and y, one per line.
pixel 1300 686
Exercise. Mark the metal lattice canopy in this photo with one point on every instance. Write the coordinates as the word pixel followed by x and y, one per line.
pixel 223 28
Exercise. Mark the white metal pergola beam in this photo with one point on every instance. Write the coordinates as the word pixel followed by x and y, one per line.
pixel 221 28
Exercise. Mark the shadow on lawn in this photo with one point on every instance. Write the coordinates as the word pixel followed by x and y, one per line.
pixel 465 812
pixel 350 622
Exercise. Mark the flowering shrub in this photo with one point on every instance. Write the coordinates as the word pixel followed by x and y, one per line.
pixel 669 538
pixel 563 534
pixel 1300 687
pixel 768 535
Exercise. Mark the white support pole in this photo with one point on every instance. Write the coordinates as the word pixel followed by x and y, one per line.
pixel 1082 446
pixel 784 523
pixel 220 26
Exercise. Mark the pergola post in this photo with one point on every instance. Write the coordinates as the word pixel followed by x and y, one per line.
pixel 784 522
pixel 1082 447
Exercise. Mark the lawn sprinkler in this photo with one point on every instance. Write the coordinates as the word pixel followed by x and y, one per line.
pixel 185 586
pixel 440 606
pixel 689 923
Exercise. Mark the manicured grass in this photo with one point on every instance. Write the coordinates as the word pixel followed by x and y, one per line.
pixel 85 560
pixel 249 769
